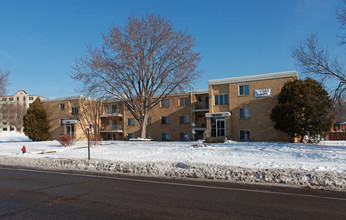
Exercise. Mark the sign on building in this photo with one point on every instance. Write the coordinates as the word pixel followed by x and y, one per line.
pixel 262 92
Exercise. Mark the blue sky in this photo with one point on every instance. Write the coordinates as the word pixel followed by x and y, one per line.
pixel 40 39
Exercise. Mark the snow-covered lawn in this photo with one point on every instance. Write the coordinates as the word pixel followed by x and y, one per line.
pixel 327 156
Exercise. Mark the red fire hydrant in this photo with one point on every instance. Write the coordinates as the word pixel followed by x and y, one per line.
pixel 23 149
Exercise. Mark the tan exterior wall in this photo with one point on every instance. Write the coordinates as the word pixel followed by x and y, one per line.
pixel 198 126
pixel 55 115
pixel 259 124
pixel 156 128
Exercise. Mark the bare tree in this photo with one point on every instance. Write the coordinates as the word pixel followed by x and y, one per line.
pixel 313 59
pixel 13 113
pixel 340 115
pixel 3 81
pixel 140 64
pixel 19 110
pixel 91 109
pixel 341 16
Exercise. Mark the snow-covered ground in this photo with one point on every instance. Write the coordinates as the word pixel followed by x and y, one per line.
pixel 327 156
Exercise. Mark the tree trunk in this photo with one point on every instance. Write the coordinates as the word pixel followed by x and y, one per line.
pixel 143 125
pixel 302 138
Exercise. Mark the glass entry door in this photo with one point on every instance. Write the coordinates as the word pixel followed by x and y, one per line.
pixel 70 129
pixel 220 127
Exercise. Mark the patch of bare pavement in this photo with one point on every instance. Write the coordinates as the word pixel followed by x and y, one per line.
pixel 42 194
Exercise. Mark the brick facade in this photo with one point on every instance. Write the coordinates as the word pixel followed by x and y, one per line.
pixel 234 108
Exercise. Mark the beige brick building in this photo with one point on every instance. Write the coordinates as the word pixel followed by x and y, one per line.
pixel 64 117
pixel 234 108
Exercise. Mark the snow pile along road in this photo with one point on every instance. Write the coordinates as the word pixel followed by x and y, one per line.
pixel 293 177
pixel 310 165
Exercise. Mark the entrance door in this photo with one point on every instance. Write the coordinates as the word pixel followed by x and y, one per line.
pixel 70 129
pixel 220 127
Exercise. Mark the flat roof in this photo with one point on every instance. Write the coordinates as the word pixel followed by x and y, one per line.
pixel 253 78
pixel 64 98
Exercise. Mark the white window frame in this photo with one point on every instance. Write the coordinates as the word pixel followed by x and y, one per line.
pixel 221 99
pixel 186 136
pixel 244 113
pixel 166 136
pixel 184 119
pixel 240 135
pixel 131 122
pixel 62 106
pixel 244 90
pixel 131 135
pixel 184 101
pixel 164 119
pixel 165 103
pixel 75 110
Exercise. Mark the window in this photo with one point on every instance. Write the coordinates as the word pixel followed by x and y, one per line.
pixel 62 106
pixel 244 90
pixel 4 123
pixel 62 122
pixel 4 99
pixel 165 120
pixel 11 128
pixel 131 135
pixel 244 135
pixel 23 98
pixel 184 119
pixel 31 98
pixel 221 99
pixel 184 136
pixel 184 102
pixel 149 121
pixel 4 129
pixel 244 113
pixel 11 99
pixel 111 109
pixel 165 103
pixel 17 98
pixel 199 98
pixel 75 110
pixel 166 136
pixel 131 122
pixel 149 136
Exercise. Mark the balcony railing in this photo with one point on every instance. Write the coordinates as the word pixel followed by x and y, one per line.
pixel 112 128
pixel 199 127
pixel 112 113
pixel 200 107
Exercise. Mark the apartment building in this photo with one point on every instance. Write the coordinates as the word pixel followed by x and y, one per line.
pixel 233 108
pixel 240 107
pixel 65 117
pixel 13 108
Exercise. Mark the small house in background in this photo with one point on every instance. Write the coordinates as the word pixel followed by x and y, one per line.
pixel 339 127
pixel 338 132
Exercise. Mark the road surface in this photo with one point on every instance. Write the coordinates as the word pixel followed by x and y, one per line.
pixel 42 194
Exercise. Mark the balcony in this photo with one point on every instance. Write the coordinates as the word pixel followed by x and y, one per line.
pixel 112 128
pixel 199 127
pixel 200 107
pixel 112 113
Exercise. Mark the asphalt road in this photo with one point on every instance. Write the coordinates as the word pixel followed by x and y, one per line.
pixel 40 194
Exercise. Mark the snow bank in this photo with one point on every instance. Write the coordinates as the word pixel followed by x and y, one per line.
pixel 312 165
pixel 293 177
pixel 11 136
